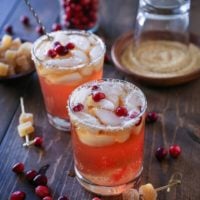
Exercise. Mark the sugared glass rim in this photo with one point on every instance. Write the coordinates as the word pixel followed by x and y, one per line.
pixel 67 32
pixel 130 123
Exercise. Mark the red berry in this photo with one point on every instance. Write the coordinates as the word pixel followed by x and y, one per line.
pixel 8 29
pixel 18 195
pixel 70 46
pixel 39 30
pixel 121 111
pixel 175 151
pixel 51 53
pixel 56 27
pixel 56 43
pixel 42 191
pixel 18 168
pixel 139 122
pixel 47 198
pixel 96 198
pixel 79 107
pixel 30 175
pixel 95 87
pixel 151 117
pixel 161 153
pixel 38 141
pixel 63 198
pixel 40 180
pixel 98 96
pixel 60 50
pixel 25 20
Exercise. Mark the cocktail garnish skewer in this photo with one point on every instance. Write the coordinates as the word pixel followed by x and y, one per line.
pixel 35 15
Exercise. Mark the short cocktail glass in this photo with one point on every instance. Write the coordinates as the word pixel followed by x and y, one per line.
pixel 108 120
pixel 60 73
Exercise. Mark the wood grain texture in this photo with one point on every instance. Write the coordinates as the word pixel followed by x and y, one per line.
pixel 178 108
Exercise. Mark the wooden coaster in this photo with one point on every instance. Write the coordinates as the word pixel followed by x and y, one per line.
pixel 124 41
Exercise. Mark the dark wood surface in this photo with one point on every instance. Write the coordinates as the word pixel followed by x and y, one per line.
pixel 178 109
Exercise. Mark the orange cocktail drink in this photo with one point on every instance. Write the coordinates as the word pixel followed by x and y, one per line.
pixel 108 120
pixel 64 62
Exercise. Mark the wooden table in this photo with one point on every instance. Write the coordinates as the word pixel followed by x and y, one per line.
pixel 178 109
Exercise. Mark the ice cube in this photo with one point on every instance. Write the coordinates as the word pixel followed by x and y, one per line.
pixel 61 37
pixel 95 52
pixel 80 57
pixel 88 118
pixel 108 117
pixel 82 96
pixel 80 42
pixel 86 71
pixel 106 104
pixel 64 79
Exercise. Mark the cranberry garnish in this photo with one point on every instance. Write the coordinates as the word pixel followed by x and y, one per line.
pixel 70 46
pixel 63 198
pixel 56 27
pixel 79 107
pixel 18 195
pixel 60 50
pixel 40 180
pixel 25 20
pixel 8 29
pixel 42 191
pixel 30 175
pixel 175 151
pixel 51 53
pixel 98 96
pixel 38 141
pixel 56 43
pixel 96 198
pixel 161 153
pixel 151 117
pixel 95 87
pixel 18 168
pixel 39 30
pixel 139 122
pixel 121 111
pixel 47 198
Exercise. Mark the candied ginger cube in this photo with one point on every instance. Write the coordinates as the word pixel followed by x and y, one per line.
pixel 25 49
pixel 10 56
pixel 16 43
pixel 25 129
pixel 4 69
pixel 6 42
pixel 148 192
pixel 23 64
pixel 26 117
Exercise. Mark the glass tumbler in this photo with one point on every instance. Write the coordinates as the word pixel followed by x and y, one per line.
pixel 79 14
pixel 108 121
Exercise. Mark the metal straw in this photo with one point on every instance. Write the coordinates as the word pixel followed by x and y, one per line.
pixel 35 15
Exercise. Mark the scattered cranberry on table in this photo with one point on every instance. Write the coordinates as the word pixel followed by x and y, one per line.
pixel 8 29
pixel 39 30
pixel 161 153
pixel 30 175
pixel 40 180
pixel 42 191
pixel 175 151
pixel 25 20
pixel 38 141
pixel 18 168
pixel 151 117
pixel 18 195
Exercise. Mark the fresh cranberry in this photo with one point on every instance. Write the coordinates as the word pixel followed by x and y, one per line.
pixel 18 168
pixel 8 29
pixel 161 153
pixel 52 53
pixel 18 195
pixel 121 111
pixel 56 27
pixel 134 114
pixel 151 117
pixel 96 198
pixel 47 198
pixel 56 43
pixel 139 122
pixel 38 141
pixel 60 50
pixel 79 107
pixel 98 96
pixel 25 20
pixel 175 151
pixel 95 87
pixel 63 198
pixel 42 191
pixel 70 46
pixel 30 175
pixel 39 30
pixel 40 180
pixel 107 58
